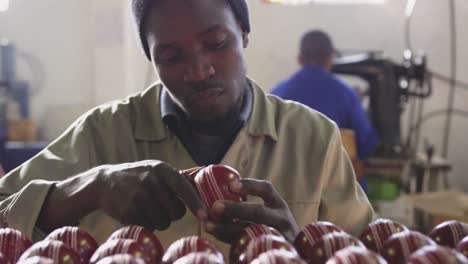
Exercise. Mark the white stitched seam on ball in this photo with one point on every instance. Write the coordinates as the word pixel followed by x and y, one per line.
pixel 214 184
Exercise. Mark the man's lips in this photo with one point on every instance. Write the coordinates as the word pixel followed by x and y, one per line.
pixel 206 95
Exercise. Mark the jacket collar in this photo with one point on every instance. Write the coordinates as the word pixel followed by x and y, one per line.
pixel 149 125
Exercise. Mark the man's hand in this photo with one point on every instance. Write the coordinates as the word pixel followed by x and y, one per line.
pixel 148 193
pixel 233 217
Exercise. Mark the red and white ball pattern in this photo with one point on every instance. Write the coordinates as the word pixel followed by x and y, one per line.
pixel 436 255
pixel 3 259
pixel 146 238
pixel 400 246
pixel 58 251
pixel 187 245
pixel 462 246
pixel 250 232
pixel 378 231
pixel 356 255
pixel 278 256
pixel 13 243
pixel 37 260
pixel 262 244
pixel 120 246
pixel 200 258
pixel 212 183
pixel 121 259
pixel 329 244
pixel 310 234
pixel 77 239
pixel 449 233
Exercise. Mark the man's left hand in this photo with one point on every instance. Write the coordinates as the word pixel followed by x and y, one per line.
pixel 274 212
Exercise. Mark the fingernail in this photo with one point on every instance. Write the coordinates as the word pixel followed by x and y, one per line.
pixel 218 207
pixel 236 186
pixel 209 227
pixel 202 215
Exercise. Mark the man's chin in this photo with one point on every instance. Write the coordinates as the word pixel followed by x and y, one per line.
pixel 207 116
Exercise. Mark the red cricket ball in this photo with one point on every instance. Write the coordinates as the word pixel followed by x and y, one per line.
pixel 37 260
pixel 462 246
pixel 212 183
pixel 398 247
pixel 329 244
pixel 200 258
pixel 278 256
pixel 436 255
pixel 121 259
pixel 3 259
pixel 58 251
pixel 262 244
pixel 120 246
pixel 310 234
pixel 449 233
pixel 356 255
pixel 147 238
pixel 378 231
pixel 187 245
pixel 250 232
pixel 77 239
pixel 13 243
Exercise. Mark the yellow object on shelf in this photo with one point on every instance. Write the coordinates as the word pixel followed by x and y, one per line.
pixel 24 130
pixel 349 142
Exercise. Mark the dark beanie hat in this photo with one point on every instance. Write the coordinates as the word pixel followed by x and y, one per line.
pixel 140 9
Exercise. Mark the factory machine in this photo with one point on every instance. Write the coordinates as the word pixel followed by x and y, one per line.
pixel 390 86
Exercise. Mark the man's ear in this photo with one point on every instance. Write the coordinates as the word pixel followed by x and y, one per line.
pixel 245 39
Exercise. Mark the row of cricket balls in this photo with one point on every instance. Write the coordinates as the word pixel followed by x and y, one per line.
pixel 319 242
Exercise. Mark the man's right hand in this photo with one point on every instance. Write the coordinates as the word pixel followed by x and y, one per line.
pixel 149 193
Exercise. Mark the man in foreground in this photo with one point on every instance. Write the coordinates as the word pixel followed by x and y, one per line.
pixel 118 163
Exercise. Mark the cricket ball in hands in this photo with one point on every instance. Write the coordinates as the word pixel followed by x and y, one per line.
pixel 148 239
pixel 278 256
pixel 13 243
pixel 58 251
pixel 200 258
pixel 187 245
pixel 36 260
pixel 77 239
pixel 3 259
pixel 310 234
pixel 329 244
pixel 212 183
pixel 356 255
pixel 449 233
pixel 462 246
pixel 250 232
pixel 120 246
pixel 262 244
pixel 378 231
pixel 121 259
pixel 398 247
pixel 436 255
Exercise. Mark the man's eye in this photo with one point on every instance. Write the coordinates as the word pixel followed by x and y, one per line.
pixel 216 44
pixel 167 58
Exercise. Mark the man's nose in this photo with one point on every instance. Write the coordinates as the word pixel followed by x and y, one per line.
pixel 199 69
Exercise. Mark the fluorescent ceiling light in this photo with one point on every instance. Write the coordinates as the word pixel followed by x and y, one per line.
pixel 336 2
pixel 4 4
pixel 350 1
pixel 409 7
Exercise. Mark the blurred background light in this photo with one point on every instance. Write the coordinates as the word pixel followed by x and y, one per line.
pixel 298 2
pixel 4 4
